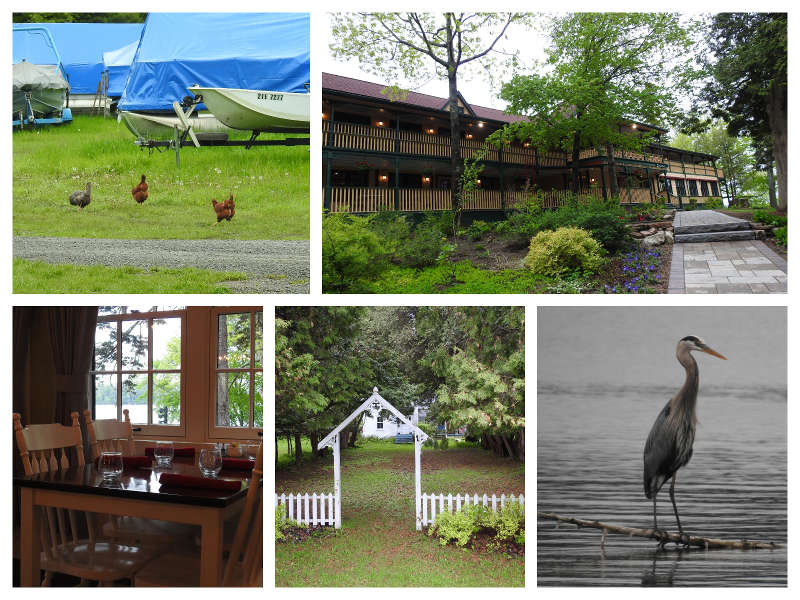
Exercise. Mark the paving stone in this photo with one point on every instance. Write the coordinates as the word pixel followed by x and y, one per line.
pixel 700 288
pixel 752 280
pixel 705 279
pixel 758 260
pixel 776 287
pixel 758 288
pixel 734 288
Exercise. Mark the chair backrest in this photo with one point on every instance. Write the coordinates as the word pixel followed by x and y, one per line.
pixel 38 445
pixel 109 434
pixel 247 547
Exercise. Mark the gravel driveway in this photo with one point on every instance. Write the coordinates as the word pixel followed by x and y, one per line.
pixel 272 267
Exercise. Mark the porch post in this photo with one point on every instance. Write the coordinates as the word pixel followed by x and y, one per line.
pixel 396 184
pixel 603 182
pixel 326 204
pixel 337 484
pixel 418 470
pixel 649 183
pixel 502 181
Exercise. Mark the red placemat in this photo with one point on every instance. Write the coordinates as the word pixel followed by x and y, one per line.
pixel 199 482
pixel 243 464
pixel 187 451
pixel 132 462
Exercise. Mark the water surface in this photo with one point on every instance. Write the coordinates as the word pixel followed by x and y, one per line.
pixel 590 444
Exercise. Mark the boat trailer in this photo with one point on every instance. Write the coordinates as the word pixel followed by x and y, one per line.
pixel 180 135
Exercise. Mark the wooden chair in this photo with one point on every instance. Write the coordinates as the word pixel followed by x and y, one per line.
pixel 111 435
pixel 245 561
pixel 63 550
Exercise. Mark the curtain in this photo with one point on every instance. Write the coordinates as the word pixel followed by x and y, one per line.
pixel 23 318
pixel 72 339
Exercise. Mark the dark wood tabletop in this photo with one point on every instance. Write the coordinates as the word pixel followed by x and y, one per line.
pixel 140 484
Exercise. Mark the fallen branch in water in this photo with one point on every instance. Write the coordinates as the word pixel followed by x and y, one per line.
pixel 691 540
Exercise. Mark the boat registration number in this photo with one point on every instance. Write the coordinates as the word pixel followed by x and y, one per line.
pixel 268 96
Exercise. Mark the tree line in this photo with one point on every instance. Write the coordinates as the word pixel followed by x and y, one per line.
pixel 466 365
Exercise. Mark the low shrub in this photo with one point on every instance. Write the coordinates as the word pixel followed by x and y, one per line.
pixel 713 203
pixel 477 229
pixel 352 254
pixel 508 524
pixel 422 247
pixel 780 236
pixel 606 228
pixel 769 218
pixel 282 523
pixel 565 250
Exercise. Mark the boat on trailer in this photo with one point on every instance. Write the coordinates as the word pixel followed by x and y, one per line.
pixel 161 126
pixel 39 90
pixel 256 110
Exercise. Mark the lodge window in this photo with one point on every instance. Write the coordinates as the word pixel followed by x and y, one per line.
pixel 237 372
pixel 379 423
pixel 714 188
pixel 680 184
pixel 138 365
pixel 692 187
pixel 704 188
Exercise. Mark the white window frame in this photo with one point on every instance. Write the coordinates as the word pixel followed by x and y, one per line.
pixel 220 432
pixel 145 429
pixel 379 422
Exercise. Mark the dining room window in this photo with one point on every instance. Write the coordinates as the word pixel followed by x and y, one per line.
pixel 238 372
pixel 138 365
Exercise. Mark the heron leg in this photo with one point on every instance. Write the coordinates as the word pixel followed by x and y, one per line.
pixel 684 537
pixel 657 534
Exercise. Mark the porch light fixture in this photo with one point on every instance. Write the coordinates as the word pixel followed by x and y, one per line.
pixel 526 144
pixel 324 116
pixel 633 126
pixel 430 131
pixel 478 181
pixel 468 136
pixel 480 123
pixel 592 180
pixel 426 179
pixel 384 177
pixel 380 123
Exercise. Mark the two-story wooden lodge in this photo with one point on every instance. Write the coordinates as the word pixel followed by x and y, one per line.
pixel 381 154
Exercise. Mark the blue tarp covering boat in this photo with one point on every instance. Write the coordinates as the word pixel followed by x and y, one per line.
pixel 118 64
pixel 255 51
pixel 81 46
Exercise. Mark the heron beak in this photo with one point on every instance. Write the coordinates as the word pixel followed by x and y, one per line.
pixel 708 350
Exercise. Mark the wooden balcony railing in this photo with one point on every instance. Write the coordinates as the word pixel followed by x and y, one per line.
pixel 371 199
pixel 352 136
pixel 627 155
pixel 689 169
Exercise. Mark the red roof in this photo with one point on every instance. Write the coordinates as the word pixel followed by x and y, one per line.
pixel 348 85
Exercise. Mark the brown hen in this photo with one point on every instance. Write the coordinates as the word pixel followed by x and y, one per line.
pixel 139 193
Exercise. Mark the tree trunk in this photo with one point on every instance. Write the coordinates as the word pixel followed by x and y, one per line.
pixel 776 112
pixel 456 167
pixel 276 449
pixel 576 153
pixel 773 200
pixel 510 450
pixel 298 449
pixel 612 171
pixel 314 437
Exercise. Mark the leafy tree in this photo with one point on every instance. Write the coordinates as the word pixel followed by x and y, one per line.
pixel 602 70
pixel 736 154
pixel 43 17
pixel 419 46
pixel 748 88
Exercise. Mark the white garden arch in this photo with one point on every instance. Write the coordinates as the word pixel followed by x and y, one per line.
pixel 375 402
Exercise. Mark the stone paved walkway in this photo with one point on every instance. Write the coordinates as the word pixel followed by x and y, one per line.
pixel 748 267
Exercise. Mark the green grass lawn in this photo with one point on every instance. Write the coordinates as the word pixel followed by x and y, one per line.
pixel 270 186
pixel 36 277
pixel 378 545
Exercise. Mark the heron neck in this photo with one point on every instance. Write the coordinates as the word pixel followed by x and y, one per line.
pixel 688 394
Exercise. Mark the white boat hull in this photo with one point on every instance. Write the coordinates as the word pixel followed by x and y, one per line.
pixel 161 127
pixel 256 110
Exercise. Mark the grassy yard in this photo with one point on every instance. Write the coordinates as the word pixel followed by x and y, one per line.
pixel 378 545
pixel 36 277
pixel 270 186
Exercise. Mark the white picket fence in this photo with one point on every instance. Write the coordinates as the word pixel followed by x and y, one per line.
pixel 309 509
pixel 433 504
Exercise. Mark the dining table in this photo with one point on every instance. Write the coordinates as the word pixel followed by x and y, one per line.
pixel 136 493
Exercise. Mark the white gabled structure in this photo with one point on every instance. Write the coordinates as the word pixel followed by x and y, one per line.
pixel 375 402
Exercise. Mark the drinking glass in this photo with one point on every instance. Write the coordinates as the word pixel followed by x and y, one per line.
pixel 210 462
pixel 110 465
pixel 252 451
pixel 163 453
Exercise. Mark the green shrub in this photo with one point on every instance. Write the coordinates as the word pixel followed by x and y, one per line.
pixel 780 236
pixel 423 247
pixel 713 203
pixel 352 254
pixel 391 228
pixel 280 522
pixel 442 220
pixel 565 250
pixel 477 229
pixel 444 444
pixel 769 218
pixel 606 228
pixel 508 524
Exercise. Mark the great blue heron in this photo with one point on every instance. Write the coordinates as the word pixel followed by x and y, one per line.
pixel 669 445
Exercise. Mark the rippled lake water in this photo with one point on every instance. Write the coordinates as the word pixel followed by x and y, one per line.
pixel 590 444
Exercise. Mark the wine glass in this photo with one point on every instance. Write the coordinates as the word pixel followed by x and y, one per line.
pixel 110 465
pixel 210 462
pixel 164 451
